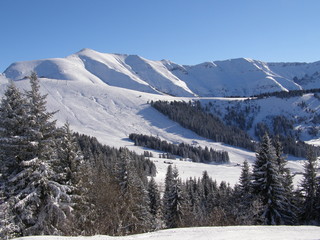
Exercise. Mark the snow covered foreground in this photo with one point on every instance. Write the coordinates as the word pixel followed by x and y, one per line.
pixel 216 233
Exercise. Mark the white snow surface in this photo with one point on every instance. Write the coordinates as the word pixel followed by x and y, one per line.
pixel 105 95
pixel 112 113
pixel 208 233
pixel 235 77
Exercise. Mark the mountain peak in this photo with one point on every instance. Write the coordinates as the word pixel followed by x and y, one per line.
pixel 233 77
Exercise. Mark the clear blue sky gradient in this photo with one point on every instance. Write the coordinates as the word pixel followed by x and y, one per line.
pixel 183 31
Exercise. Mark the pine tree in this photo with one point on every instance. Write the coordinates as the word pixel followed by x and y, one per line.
pixel 193 215
pixel 154 197
pixel 244 199
pixel 13 135
pixel 284 171
pixel 267 184
pixel 42 130
pixel 71 171
pixel 287 182
pixel 13 130
pixel 38 203
pixel 207 195
pixel 172 199
pixel 69 156
pixel 309 188
pixel 135 211
pixel 245 179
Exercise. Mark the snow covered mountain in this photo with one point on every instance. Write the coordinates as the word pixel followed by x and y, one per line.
pixel 106 96
pixel 236 77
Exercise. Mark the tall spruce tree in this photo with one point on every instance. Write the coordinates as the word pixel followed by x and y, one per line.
pixel 71 171
pixel 172 199
pixel 154 197
pixel 287 182
pixel 13 130
pixel 38 203
pixel 42 127
pixel 246 179
pixel 309 188
pixel 284 171
pixel 267 184
pixel 135 206
pixel 13 143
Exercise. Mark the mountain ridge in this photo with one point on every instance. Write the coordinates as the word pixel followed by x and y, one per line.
pixel 233 77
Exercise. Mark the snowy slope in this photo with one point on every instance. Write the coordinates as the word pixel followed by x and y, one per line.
pixel 130 72
pixel 302 112
pixel 106 95
pixel 112 113
pixel 307 75
pixel 208 233
pixel 235 77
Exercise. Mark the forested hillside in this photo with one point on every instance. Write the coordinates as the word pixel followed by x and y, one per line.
pixel 191 116
pixel 55 182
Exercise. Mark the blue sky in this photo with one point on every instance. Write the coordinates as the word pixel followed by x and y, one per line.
pixel 183 31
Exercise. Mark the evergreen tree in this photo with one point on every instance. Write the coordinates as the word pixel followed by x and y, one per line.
pixel 69 156
pixel 246 179
pixel 38 203
pixel 244 200
pixel 172 199
pixel 284 171
pixel 267 183
pixel 136 215
pixel 154 197
pixel 207 195
pixel 42 130
pixel 309 188
pixel 13 135
pixel 193 215
pixel 13 131
pixel 71 171
pixel 287 182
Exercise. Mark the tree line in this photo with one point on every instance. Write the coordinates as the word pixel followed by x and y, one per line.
pixel 287 94
pixel 284 130
pixel 197 118
pixel 191 116
pixel 264 195
pixel 197 154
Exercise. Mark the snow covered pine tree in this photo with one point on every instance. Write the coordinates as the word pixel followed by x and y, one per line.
pixel 267 184
pixel 38 204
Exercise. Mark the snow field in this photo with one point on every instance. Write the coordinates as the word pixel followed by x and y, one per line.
pixel 208 233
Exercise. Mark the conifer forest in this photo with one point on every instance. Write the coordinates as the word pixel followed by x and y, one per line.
pixel 58 182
